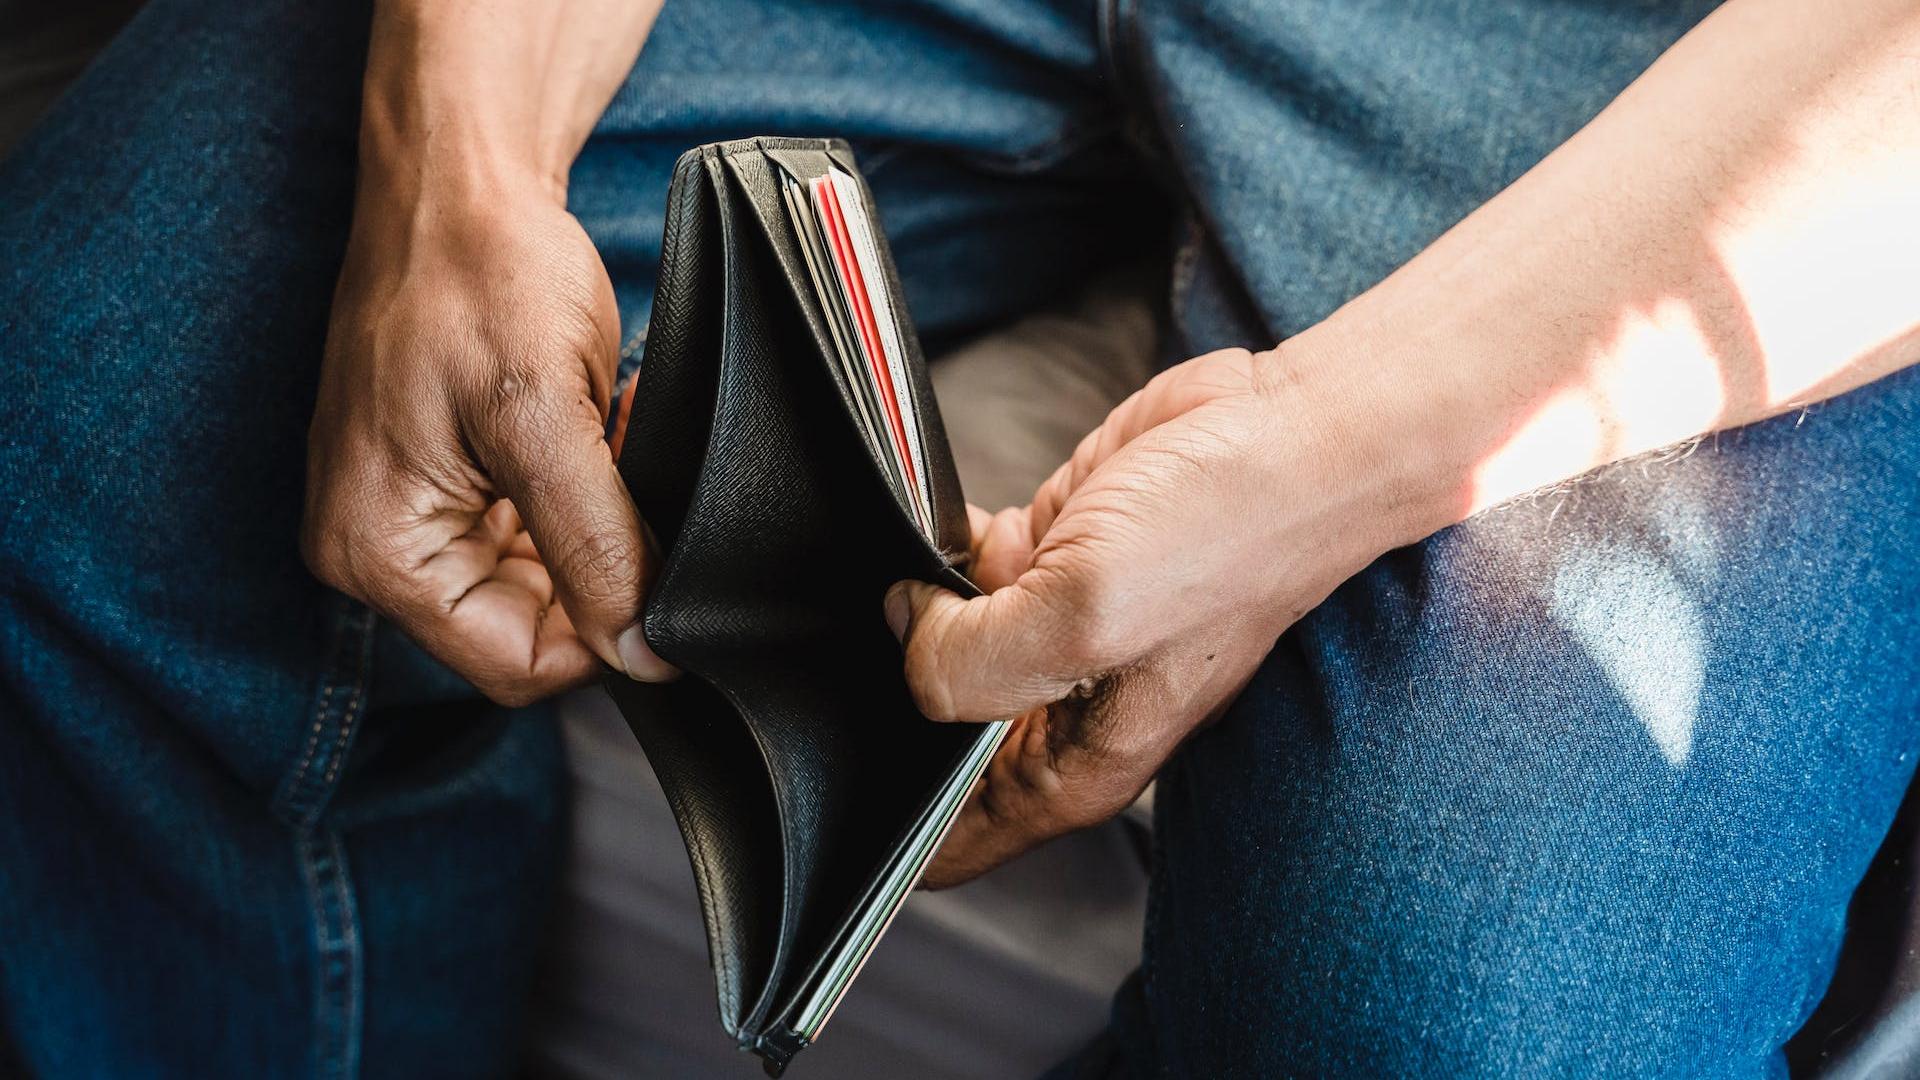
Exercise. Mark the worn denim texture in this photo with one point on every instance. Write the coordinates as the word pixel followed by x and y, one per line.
pixel 1579 787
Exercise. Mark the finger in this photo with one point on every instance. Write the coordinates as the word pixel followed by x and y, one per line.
pixel 1002 817
pixel 527 574
pixel 491 614
pixel 1052 776
pixel 491 619
pixel 987 658
pixel 978 521
pixel 521 547
pixel 512 642
pixel 1003 548
pixel 1174 392
pixel 545 450
pixel 518 561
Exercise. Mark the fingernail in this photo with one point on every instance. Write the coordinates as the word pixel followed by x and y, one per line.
pixel 640 660
pixel 899 610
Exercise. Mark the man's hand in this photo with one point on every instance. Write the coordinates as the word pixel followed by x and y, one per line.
pixel 1131 601
pixel 458 479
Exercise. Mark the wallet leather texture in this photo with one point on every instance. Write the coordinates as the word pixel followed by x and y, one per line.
pixel 791 752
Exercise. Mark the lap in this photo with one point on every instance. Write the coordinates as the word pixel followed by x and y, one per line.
pixel 1581 785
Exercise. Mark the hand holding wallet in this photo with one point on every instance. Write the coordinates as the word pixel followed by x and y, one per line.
pixel 785 448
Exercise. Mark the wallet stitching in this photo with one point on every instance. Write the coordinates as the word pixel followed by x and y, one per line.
pixel 710 912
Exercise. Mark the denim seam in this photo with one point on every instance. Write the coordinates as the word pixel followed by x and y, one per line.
pixel 321 854
pixel 1125 36
pixel 338 967
pixel 302 795
pixel 634 341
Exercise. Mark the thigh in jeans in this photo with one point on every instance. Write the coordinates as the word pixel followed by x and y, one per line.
pixel 1579 787
pixel 244 830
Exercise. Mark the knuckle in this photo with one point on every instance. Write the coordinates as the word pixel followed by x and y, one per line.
pixel 509 694
pixel 1045 800
pixel 515 403
pixel 1093 636
pixel 1009 806
pixel 324 547
pixel 927 683
pixel 595 564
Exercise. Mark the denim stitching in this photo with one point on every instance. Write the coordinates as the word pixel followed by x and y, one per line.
pixel 321 854
pixel 338 753
pixel 302 795
pixel 350 714
pixel 634 341
pixel 337 955
pixel 313 734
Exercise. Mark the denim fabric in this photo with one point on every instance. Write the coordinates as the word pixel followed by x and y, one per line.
pixel 1581 786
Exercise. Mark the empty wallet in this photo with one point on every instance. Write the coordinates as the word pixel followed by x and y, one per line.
pixel 809 790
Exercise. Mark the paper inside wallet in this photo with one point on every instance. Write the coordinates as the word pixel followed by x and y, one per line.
pixel 835 227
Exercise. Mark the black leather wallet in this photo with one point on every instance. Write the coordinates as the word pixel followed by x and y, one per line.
pixel 809 790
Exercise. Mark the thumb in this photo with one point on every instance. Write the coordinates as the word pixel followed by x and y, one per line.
pixel 986 658
pixel 553 461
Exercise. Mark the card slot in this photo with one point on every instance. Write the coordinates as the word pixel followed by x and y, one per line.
pixel 840 326
pixel 753 165
pixel 753 176
pixel 946 505
pixel 853 219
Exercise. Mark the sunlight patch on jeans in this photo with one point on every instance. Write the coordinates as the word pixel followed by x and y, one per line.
pixel 1646 631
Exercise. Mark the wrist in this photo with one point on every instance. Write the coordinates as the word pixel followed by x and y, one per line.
pixel 1378 435
pixel 412 171
pixel 447 110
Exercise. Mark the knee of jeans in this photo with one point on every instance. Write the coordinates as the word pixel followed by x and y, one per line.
pixel 1401 939
pixel 1344 892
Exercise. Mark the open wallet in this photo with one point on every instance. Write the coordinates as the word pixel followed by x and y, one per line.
pixel 785 448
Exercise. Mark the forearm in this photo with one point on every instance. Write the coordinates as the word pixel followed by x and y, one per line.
pixel 486 93
pixel 1737 235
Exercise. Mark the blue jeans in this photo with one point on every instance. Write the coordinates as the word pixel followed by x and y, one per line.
pixel 1580 786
